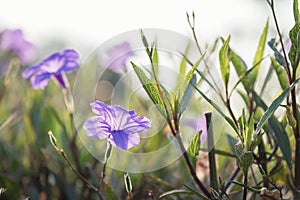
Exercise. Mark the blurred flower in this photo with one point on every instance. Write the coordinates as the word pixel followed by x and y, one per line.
pixel 54 66
pixel 118 56
pixel 14 42
pixel 198 125
pixel 287 45
pixel 118 125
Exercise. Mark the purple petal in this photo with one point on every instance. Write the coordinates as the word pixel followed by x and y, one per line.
pixel 124 141
pixel 95 129
pixel 101 108
pixel 30 71
pixel 40 81
pixel 118 55
pixel 60 79
pixel 202 126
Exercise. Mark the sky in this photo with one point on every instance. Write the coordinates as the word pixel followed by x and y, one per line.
pixel 86 24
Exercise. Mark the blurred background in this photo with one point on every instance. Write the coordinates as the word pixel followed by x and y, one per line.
pixel 29 165
pixel 86 24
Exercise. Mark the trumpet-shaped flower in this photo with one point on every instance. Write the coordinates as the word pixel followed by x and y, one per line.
pixel 14 42
pixel 118 56
pixel 120 126
pixel 55 66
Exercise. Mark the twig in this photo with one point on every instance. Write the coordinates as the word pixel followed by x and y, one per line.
pixel 64 155
pixel 191 168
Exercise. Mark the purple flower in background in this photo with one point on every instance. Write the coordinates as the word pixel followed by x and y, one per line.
pixel 14 42
pixel 118 56
pixel 118 125
pixel 54 66
pixel 199 124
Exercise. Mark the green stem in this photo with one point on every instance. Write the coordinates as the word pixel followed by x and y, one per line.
pixel 211 153
pixel 245 185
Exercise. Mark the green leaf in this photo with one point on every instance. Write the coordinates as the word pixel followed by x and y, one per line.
pixel 246 160
pixel 182 67
pixel 278 56
pixel 259 54
pixel 231 141
pixel 190 74
pixel 240 68
pixel 194 148
pixel 155 61
pixel 296 11
pixel 277 131
pixel 249 133
pixel 219 110
pixel 150 89
pixel 145 43
pixel 187 95
pixel 281 74
pixel 275 104
pixel 295 48
pixel 224 62
pixel 244 78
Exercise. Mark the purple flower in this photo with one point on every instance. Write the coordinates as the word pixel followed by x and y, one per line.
pixel 13 41
pixel 198 125
pixel 54 66
pixel 118 56
pixel 118 125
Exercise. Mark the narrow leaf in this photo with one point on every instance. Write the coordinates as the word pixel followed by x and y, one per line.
pixel 295 48
pixel 296 11
pixel 224 61
pixel 240 68
pixel 275 104
pixel 259 54
pixel 281 74
pixel 249 133
pixel 190 74
pixel 155 61
pixel 218 109
pixel 231 141
pixel 150 89
pixel 194 148
pixel 187 95
pixel 278 56
pixel 277 131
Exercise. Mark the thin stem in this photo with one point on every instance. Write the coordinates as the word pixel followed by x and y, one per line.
pixel 64 155
pixel 245 185
pixel 233 175
pixel 271 4
pixel 191 168
pixel 192 26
